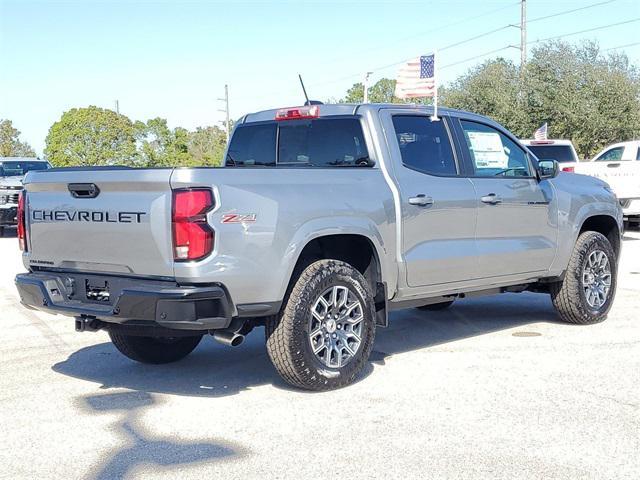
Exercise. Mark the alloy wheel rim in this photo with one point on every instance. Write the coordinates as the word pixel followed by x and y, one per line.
pixel 335 326
pixel 596 278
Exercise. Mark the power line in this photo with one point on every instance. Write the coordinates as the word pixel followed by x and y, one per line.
pixel 436 29
pixel 470 39
pixel 476 56
pixel 565 12
pixel 622 46
pixel 585 31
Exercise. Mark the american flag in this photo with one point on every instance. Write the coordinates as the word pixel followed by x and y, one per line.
pixel 541 133
pixel 416 78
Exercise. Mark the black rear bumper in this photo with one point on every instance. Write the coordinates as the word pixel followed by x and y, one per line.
pixel 127 301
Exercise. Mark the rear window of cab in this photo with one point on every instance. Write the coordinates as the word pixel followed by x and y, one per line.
pixel 319 142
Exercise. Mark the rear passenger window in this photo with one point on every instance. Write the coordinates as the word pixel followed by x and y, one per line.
pixel 331 142
pixel 424 144
pixel 253 145
pixel 322 142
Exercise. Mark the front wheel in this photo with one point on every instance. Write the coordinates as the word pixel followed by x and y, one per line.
pixel 587 291
pixel 155 350
pixel 323 337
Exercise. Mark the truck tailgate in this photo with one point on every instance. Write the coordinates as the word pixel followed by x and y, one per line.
pixel 100 220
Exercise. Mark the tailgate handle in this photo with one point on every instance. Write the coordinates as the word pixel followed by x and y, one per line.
pixel 84 190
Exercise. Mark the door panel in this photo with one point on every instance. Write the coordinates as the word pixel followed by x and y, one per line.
pixel 438 207
pixel 517 235
pixel 516 229
pixel 439 239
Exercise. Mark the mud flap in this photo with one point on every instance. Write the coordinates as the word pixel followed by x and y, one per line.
pixel 382 319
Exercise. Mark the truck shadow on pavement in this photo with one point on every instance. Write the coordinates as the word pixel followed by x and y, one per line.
pixel 214 370
pixel 138 449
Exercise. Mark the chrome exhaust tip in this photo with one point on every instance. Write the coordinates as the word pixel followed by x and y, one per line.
pixel 228 338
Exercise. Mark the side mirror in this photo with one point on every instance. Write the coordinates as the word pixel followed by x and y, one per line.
pixel 548 169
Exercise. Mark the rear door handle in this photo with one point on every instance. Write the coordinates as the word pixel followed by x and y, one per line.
pixel 421 200
pixel 613 165
pixel 492 198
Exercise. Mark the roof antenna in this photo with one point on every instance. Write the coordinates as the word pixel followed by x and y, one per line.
pixel 304 90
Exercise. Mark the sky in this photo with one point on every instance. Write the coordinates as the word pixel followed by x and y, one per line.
pixel 171 59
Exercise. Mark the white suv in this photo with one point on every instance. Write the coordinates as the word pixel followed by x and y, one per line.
pixel 562 151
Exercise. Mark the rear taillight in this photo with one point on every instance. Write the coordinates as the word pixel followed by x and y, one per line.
pixel 192 235
pixel 22 227
pixel 569 169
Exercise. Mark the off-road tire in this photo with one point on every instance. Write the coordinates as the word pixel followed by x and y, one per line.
pixel 436 306
pixel 287 333
pixel 568 296
pixel 154 350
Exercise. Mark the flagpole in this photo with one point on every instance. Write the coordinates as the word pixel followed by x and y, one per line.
pixel 434 117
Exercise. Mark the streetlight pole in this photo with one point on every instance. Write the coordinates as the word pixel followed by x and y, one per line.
pixel 366 87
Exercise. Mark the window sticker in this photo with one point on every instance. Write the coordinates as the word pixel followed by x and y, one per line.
pixel 488 150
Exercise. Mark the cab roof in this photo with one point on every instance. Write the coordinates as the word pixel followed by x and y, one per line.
pixel 21 159
pixel 334 109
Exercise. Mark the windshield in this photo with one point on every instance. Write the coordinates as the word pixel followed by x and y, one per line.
pixel 559 153
pixel 18 169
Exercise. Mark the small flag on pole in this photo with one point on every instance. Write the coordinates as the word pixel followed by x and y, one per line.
pixel 541 133
pixel 417 79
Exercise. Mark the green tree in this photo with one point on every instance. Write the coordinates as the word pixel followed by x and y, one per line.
pixel 160 146
pixel 10 144
pixel 91 136
pixel 585 96
pixel 490 89
pixel 207 145
pixel 381 92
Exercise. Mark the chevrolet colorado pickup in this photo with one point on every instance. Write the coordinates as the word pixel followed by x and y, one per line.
pixel 323 219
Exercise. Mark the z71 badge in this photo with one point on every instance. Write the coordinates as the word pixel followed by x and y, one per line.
pixel 238 218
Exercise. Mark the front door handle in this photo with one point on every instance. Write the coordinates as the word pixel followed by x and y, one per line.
pixel 613 165
pixel 421 200
pixel 492 198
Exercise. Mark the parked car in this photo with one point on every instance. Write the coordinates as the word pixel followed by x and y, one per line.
pixel 12 171
pixel 562 151
pixel 616 164
pixel 325 218
pixel 619 166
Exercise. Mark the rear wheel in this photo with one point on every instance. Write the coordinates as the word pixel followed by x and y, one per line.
pixel 323 337
pixel 155 350
pixel 587 291
pixel 436 306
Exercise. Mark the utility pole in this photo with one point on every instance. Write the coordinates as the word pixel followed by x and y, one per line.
pixel 366 87
pixel 523 32
pixel 117 107
pixel 226 109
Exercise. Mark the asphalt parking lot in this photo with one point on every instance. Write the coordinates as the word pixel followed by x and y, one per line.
pixel 495 387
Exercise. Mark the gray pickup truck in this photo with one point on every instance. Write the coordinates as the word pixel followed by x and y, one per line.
pixel 324 219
